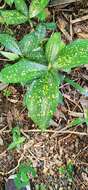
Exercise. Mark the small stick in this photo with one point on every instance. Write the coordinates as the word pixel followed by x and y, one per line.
pixel 83 18
pixel 58 132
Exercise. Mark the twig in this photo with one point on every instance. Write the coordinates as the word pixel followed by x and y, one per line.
pixel 58 132
pixel 71 31
pixel 60 2
pixel 83 18
pixel 1 7
pixel 12 170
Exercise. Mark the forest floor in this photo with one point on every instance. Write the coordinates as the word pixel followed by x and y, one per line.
pixel 50 150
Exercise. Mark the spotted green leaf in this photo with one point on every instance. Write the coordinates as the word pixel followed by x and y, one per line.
pixel 40 31
pixel 9 43
pixel 10 56
pixel 38 56
pixel 53 47
pixel 21 6
pixel 73 55
pixel 12 17
pixel 36 7
pixel 31 42
pixel 22 71
pixel 42 99
pixel 9 2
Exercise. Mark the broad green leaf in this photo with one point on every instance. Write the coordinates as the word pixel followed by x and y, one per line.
pixel 10 56
pixel 76 86
pixel 21 6
pixel 73 55
pixel 9 2
pixel 10 43
pixel 42 99
pixel 22 71
pixel 53 47
pixel 12 17
pixel 32 41
pixel 29 43
pixel 40 32
pixel 36 7
pixel 38 56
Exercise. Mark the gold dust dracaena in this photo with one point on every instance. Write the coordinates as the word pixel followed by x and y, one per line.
pixel 42 99
pixel 41 76
pixel 22 13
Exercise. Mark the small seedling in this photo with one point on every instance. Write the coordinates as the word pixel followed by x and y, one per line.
pixel 22 178
pixel 40 187
pixel 67 170
pixel 37 68
pixel 7 92
pixel 17 139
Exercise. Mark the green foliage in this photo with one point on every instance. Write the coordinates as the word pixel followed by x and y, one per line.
pixel 12 17
pixel 22 178
pixel 10 56
pixel 37 68
pixel 73 55
pixel 21 7
pixel 17 138
pixel 42 15
pixel 76 86
pixel 22 71
pixel 10 43
pixel 21 13
pixel 7 92
pixel 31 43
pixel 50 25
pixel 9 2
pixel 67 170
pixel 36 7
pixel 41 187
pixel 77 121
pixel 42 99
pixel 53 47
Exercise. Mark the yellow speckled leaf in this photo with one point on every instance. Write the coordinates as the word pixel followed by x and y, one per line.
pixel 36 7
pixel 42 99
pixel 73 55
pixel 10 43
pixel 12 17
pixel 22 71
pixel 53 47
